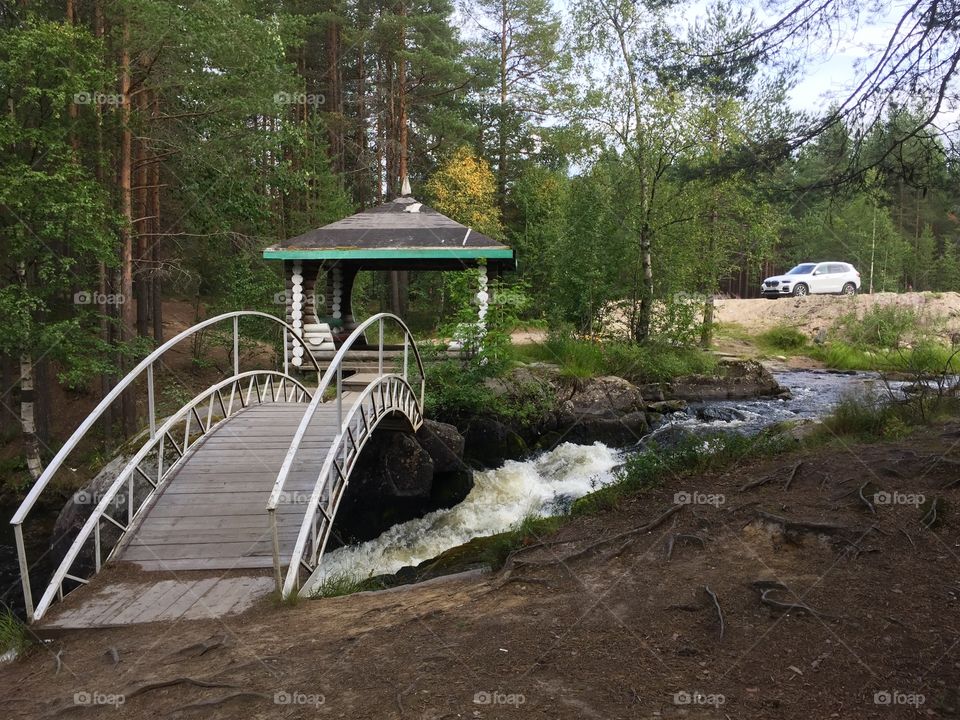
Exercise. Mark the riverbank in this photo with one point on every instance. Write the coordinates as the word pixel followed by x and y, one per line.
pixel 608 617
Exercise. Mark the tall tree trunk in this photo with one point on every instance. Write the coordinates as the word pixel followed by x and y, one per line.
pixel 127 317
pixel 31 443
pixel 502 127
pixel 142 275
pixel 155 230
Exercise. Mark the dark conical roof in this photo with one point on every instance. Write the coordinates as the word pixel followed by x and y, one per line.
pixel 403 230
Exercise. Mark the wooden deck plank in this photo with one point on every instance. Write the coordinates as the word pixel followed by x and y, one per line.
pixel 210 517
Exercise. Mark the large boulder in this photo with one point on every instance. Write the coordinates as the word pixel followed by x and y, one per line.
pixel 444 443
pixel 606 397
pixel 617 431
pixel 398 477
pixel 734 380
pixel 490 442
pixel 452 477
pixel 391 482
pixel 604 409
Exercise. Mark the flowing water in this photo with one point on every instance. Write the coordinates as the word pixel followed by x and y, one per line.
pixel 544 485
pixel 548 483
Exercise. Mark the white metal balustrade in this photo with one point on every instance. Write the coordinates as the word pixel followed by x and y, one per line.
pixel 171 442
pixel 357 416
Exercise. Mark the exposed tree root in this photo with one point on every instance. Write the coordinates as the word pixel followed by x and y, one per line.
pixel 716 604
pixel 793 474
pixel 803 526
pixel 768 587
pixel 627 538
pixel 200 648
pixel 673 538
pixel 213 702
pixel 865 499
pixel 146 687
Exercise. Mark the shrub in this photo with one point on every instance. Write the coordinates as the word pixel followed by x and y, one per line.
pixel 783 337
pixel 880 327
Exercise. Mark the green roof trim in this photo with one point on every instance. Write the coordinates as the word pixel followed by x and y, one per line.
pixel 384 254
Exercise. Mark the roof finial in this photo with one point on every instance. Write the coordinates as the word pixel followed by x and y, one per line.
pixel 405 190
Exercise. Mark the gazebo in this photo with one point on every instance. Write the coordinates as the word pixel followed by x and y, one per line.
pixel 320 266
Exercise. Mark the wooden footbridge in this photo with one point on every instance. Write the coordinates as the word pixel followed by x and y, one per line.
pixel 232 496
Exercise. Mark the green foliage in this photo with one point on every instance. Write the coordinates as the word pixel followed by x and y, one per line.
pixel 457 391
pixel 784 337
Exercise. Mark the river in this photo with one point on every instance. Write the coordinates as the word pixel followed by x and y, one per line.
pixel 549 482
pixel 543 485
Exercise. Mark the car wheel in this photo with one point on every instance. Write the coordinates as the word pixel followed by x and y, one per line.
pixel 849 289
pixel 800 290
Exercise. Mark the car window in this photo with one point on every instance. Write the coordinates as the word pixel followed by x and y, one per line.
pixel 822 269
pixel 837 268
pixel 802 269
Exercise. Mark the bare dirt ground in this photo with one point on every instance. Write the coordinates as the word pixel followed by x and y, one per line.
pixel 832 607
pixel 821 312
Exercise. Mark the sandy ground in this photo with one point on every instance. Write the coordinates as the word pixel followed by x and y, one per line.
pixel 820 312
pixel 601 620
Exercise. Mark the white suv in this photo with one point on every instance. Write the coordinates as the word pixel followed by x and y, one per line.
pixel 813 278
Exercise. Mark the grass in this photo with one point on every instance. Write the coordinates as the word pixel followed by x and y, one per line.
pixel 649 470
pixel 14 634
pixel 928 358
pixel 639 363
pixel 784 338
pixel 345 583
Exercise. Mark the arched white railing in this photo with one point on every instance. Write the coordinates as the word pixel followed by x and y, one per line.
pixel 224 399
pixel 387 394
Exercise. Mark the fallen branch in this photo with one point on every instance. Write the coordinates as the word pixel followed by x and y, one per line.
pixel 716 604
pixel 757 483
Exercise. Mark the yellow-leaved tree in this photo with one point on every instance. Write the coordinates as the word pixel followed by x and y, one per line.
pixel 464 188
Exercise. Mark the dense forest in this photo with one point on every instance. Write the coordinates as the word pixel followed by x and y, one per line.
pixel 628 153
